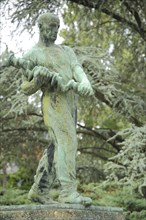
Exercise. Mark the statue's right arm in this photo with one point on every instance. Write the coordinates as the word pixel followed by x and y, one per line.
pixel 29 84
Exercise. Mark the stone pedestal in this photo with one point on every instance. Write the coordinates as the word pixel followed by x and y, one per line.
pixel 60 212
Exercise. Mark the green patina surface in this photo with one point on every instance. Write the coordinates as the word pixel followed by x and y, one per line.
pixel 55 70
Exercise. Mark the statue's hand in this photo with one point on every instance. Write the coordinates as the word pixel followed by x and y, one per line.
pixel 43 73
pixel 70 85
pixel 40 71
pixel 84 88
pixel 56 80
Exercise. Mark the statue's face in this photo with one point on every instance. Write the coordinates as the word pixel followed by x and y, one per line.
pixel 49 31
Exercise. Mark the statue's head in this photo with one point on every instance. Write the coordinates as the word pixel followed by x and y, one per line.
pixel 48 24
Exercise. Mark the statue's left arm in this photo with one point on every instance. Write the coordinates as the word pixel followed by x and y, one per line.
pixel 84 87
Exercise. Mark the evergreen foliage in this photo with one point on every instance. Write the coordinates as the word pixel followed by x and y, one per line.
pixel 130 163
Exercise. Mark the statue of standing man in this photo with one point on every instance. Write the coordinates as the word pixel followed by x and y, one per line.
pixel 56 71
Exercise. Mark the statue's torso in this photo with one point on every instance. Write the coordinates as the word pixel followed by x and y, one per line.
pixel 56 59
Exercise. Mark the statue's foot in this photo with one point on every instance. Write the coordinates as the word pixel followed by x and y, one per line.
pixel 75 198
pixel 40 198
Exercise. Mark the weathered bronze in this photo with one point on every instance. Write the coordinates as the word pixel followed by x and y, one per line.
pixel 56 71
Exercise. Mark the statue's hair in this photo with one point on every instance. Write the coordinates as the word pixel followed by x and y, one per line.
pixel 48 18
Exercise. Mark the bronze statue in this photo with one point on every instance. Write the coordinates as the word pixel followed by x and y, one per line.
pixel 56 71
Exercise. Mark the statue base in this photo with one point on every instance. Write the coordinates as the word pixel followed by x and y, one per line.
pixel 59 212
